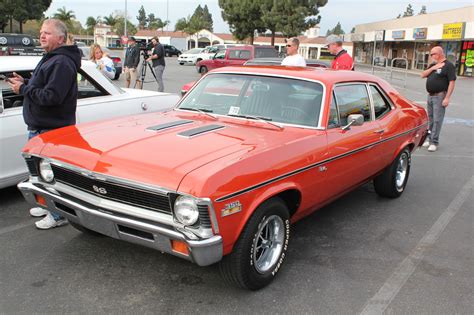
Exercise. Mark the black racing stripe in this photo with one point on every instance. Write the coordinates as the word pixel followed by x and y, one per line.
pixel 304 169
pixel 169 125
pixel 197 131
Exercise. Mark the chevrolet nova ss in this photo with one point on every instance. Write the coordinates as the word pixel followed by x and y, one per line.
pixel 220 177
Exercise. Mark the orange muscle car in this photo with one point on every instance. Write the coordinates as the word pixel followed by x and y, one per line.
pixel 219 178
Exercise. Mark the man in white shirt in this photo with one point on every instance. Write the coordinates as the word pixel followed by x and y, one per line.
pixel 293 58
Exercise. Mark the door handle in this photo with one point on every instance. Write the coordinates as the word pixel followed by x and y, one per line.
pixel 379 131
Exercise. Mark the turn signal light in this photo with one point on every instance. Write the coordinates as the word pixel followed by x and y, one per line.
pixel 40 200
pixel 180 247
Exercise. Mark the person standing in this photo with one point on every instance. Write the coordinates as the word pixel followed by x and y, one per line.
pixel 293 58
pixel 132 58
pixel 441 76
pixel 50 95
pixel 342 59
pixel 157 57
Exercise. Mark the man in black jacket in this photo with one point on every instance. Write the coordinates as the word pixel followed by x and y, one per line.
pixel 50 95
pixel 132 59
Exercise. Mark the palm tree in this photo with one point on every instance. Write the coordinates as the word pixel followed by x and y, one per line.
pixel 64 15
pixel 110 20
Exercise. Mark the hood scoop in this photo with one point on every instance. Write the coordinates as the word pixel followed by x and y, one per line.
pixel 198 131
pixel 168 125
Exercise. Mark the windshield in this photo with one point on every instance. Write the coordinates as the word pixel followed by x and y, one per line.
pixel 280 100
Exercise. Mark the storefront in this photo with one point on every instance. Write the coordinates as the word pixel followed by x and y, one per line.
pixel 466 63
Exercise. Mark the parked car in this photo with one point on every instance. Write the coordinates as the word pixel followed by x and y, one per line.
pixel 189 57
pixel 85 53
pixel 12 44
pixel 219 178
pixel 98 99
pixel 236 56
pixel 208 53
pixel 171 51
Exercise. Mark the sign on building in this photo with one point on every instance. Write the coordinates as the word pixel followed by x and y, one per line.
pixel 453 30
pixel 398 34
pixel 420 33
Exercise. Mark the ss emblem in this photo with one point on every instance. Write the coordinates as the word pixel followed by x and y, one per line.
pixel 100 190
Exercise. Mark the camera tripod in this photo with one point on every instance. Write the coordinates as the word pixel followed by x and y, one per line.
pixel 141 78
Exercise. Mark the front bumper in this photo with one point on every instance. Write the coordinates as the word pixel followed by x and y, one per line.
pixel 151 234
pixel 187 61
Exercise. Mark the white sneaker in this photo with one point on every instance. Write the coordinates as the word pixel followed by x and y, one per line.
pixel 426 144
pixel 432 148
pixel 48 222
pixel 38 212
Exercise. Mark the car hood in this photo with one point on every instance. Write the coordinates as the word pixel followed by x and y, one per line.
pixel 142 149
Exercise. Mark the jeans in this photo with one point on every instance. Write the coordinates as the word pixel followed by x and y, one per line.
pixel 436 112
pixel 159 77
pixel 32 134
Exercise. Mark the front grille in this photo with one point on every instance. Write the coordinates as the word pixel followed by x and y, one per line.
pixel 32 165
pixel 204 219
pixel 113 191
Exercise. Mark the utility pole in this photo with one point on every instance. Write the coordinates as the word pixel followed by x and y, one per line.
pixel 125 22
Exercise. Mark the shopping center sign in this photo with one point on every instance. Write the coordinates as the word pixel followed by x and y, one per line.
pixel 453 30
pixel 420 33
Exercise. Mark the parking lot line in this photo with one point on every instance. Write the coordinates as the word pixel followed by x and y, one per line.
pixel 382 299
pixel 14 227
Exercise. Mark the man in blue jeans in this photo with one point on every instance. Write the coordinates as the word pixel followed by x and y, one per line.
pixel 441 75
pixel 50 95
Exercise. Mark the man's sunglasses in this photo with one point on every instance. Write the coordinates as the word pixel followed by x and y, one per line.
pixel 288 45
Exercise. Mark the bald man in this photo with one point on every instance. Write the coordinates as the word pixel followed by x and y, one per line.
pixel 441 76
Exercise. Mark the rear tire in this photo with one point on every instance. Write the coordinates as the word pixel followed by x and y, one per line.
pixel 262 246
pixel 84 230
pixel 391 183
pixel 203 70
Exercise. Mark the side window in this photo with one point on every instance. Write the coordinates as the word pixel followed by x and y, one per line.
pixel 220 55
pixel 87 88
pixel 239 54
pixel 352 99
pixel 10 99
pixel 381 105
pixel 333 114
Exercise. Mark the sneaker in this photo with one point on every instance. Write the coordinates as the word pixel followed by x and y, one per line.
pixel 48 222
pixel 38 212
pixel 432 148
pixel 426 144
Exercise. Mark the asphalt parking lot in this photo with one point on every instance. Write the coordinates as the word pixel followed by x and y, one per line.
pixel 360 254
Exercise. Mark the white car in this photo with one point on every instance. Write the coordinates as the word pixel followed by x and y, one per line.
pixel 207 53
pixel 98 99
pixel 190 57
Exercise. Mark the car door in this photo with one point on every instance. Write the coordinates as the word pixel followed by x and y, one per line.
pixel 237 57
pixel 352 153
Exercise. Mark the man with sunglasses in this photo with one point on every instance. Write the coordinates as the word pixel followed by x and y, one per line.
pixel 293 58
pixel 342 60
pixel 441 75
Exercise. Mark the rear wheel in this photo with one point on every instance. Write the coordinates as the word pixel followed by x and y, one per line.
pixel 83 229
pixel 391 183
pixel 203 70
pixel 259 253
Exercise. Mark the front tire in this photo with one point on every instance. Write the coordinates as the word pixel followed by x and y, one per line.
pixel 203 70
pixel 391 183
pixel 262 246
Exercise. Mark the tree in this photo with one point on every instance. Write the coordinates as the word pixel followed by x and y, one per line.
pixel 207 16
pixel 142 18
pixel 21 11
pixel 423 10
pixel 181 24
pixel 271 17
pixel 244 17
pixel 337 30
pixel 353 30
pixel 111 20
pixel 408 11
pixel 64 15
pixel 119 26
pixel 299 15
pixel 91 22
pixel 194 26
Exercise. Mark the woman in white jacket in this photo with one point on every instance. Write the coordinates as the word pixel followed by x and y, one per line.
pixel 104 63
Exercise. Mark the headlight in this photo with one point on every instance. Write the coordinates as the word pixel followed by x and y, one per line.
pixel 186 210
pixel 46 172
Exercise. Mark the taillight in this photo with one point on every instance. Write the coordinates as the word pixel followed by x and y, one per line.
pixel 116 60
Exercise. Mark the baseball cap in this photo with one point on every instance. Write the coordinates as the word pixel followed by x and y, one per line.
pixel 332 39
pixel 132 38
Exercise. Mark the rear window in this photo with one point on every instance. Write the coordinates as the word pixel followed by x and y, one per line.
pixel 16 40
pixel 265 52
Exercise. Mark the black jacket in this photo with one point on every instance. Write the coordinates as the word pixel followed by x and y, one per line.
pixel 50 95
pixel 132 57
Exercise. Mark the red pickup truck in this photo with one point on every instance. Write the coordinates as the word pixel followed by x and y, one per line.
pixel 236 56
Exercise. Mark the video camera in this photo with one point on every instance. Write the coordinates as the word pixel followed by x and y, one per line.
pixel 144 48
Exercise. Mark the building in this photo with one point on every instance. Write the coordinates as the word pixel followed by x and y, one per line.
pixel 408 40
pixel 176 39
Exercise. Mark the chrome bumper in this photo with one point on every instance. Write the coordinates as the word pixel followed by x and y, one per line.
pixel 154 235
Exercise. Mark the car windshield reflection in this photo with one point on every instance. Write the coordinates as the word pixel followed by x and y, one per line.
pixel 280 100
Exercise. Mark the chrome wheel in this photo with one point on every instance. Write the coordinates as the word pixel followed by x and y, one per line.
pixel 402 171
pixel 268 243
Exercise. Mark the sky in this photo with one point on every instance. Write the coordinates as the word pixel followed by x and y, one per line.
pixel 348 12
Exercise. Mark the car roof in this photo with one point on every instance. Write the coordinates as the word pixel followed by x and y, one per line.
pixel 327 76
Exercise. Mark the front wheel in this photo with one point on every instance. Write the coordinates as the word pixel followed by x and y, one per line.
pixel 391 183
pixel 259 253
pixel 203 70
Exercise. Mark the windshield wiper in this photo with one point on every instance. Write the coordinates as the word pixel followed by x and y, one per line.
pixel 204 111
pixel 267 120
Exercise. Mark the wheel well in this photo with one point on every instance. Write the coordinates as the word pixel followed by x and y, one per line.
pixel 292 199
pixel 199 59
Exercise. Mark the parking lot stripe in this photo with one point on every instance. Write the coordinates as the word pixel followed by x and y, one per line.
pixel 15 227
pixel 382 299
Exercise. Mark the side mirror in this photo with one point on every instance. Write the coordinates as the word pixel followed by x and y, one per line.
pixel 354 120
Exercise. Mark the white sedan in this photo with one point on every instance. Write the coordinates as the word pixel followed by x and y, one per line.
pixel 98 98
pixel 190 57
